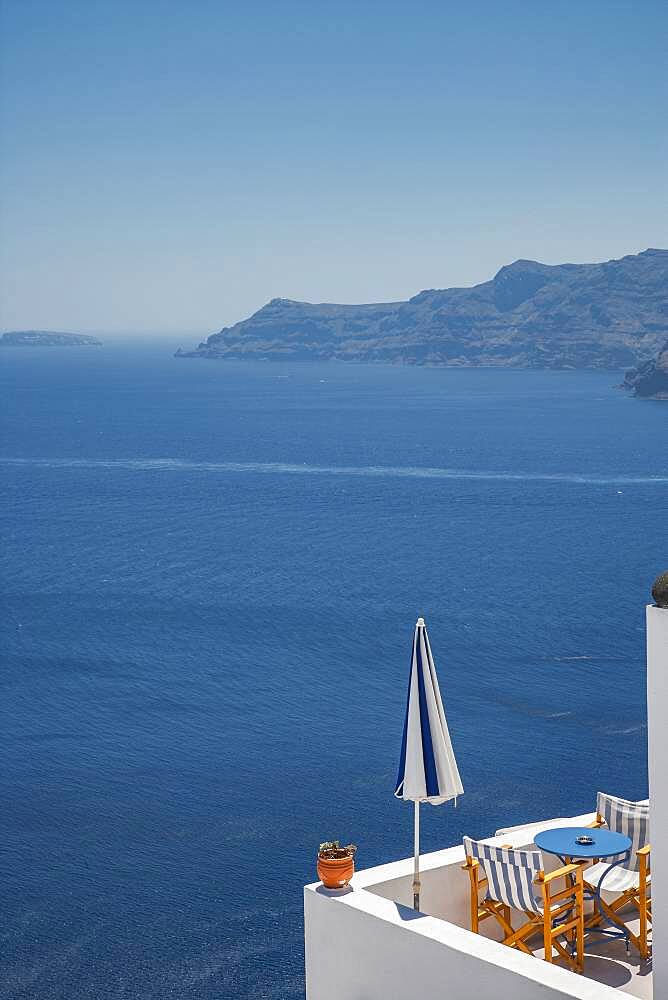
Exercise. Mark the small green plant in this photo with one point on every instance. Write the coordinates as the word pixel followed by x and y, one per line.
pixel 332 849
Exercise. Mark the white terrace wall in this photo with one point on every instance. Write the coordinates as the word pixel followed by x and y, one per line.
pixel 657 713
pixel 361 946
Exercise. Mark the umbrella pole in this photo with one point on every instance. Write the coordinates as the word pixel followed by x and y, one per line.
pixel 416 859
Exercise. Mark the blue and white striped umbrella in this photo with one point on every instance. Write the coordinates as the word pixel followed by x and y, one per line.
pixel 427 766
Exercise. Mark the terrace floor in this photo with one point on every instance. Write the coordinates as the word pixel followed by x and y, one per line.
pixel 607 962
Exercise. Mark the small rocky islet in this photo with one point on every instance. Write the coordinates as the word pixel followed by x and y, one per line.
pixel 46 338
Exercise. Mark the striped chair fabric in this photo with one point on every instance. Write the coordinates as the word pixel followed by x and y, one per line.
pixel 629 818
pixel 510 874
pixel 630 879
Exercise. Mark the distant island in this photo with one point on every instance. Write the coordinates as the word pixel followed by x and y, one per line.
pixel 650 380
pixel 46 338
pixel 612 315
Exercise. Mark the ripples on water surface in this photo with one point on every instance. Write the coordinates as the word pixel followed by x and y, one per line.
pixel 211 573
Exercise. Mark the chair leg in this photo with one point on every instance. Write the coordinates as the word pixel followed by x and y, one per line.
pixel 572 934
pixel 642 906
pixel 473 878
pixel 547 929
pixel 579 932
pixel 642 936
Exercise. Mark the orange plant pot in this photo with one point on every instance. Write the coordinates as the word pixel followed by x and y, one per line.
pixel 334 873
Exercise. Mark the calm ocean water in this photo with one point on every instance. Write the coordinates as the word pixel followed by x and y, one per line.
pixel 211 574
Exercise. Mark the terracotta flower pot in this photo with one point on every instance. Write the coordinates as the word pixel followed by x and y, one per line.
pixel 334 873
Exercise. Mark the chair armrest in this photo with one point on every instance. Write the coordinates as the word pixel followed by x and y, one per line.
pixel 644 851
pixel 561 872
pixel 598 822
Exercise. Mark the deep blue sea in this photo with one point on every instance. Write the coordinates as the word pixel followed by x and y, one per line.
pixel 210 575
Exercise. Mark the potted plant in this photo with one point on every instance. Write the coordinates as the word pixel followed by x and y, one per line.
pixel 336 864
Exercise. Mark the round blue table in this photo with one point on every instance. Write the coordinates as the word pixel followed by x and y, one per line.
pixel 563 842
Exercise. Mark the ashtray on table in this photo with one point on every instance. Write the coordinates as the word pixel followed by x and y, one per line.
pixel 584 840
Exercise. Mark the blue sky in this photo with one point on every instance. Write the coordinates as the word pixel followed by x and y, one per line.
pixel 171 166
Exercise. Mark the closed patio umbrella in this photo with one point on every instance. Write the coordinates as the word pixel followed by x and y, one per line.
pixel 427 766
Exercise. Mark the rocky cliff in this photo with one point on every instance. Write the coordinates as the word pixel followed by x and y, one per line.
pixel 650 379
pixel 609 315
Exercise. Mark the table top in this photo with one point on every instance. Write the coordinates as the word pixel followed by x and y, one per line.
pixel 562 841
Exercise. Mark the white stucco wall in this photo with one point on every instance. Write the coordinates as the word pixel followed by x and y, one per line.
pixel 657 715
pixel 361 946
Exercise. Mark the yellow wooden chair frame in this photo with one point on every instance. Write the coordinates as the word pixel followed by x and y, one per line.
pixel 555 905
pixel 638 897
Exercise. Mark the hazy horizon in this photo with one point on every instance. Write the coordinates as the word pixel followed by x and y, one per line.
pixel 172 168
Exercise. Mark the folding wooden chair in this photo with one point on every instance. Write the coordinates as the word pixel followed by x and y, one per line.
pixel 516 880
pixel 631 881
